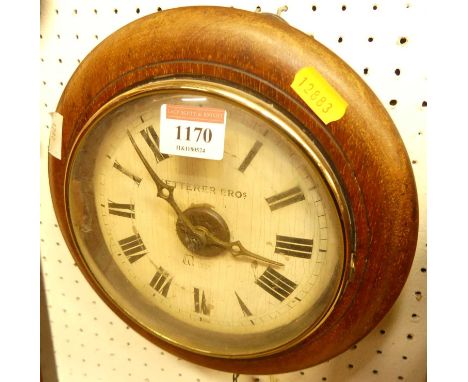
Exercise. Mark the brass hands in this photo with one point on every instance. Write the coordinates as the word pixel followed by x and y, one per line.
pixel 235 247
pixel 166 191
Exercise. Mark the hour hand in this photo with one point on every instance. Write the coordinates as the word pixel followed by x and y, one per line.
pixel 235 247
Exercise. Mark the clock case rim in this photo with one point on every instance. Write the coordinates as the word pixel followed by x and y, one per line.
pixel 364 146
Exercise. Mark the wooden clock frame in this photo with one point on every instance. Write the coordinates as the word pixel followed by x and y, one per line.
pixel 261 54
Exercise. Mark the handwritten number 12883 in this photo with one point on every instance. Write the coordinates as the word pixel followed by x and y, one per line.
pixel 308 88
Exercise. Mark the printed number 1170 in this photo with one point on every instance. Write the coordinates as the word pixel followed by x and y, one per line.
pixel 194 134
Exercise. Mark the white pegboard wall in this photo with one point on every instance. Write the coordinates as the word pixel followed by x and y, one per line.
pixel 90 342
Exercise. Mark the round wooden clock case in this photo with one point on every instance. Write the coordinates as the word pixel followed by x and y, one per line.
pixel 260 54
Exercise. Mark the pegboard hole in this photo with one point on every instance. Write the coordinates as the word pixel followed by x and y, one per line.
pixel 409 336
pixel 370 39
pixel 379 351
pixel 350 366
pixel 424 104
pixel 375 371
pixel 159 9
pixel 314 8
pixel 116 10
pixel 403 40
pixel 343 8
pixel 418 295
pixel 397 72
pixel 400 378
pixel 340 39
pixel 382 331
pixel 137 10
pixel 393 102
pixel 366 70
pixel 374 7
pixel 423 270
pixel 404 357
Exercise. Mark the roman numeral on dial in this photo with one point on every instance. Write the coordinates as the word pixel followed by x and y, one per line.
pixel 122 209
pixel 294 246
pixel 244 308
pixel 161 282
pixel 124 171
pixel 250 156
pixel 273 282
pixel 133 248
pixel 285 198
pixel 199 300
pixel 152 139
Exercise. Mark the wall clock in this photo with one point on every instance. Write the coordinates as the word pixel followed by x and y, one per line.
pixel 233 190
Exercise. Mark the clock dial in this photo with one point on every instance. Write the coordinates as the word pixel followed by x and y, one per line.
pixel 259 263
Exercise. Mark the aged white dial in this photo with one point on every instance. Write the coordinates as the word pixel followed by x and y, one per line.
pixel 188 282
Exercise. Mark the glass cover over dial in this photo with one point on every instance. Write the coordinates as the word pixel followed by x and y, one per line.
pixel 241 257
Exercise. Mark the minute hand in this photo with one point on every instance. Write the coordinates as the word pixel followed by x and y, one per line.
pixel 165 191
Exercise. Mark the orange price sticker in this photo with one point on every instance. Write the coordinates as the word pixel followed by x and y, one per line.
pixel 319 95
